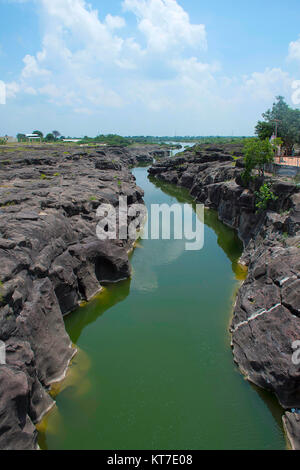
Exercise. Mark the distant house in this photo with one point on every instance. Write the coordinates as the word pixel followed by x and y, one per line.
pixel 72 140
pixel 33 137
pixel 9 139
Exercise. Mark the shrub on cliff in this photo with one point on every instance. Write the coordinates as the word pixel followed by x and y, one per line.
pixel 257 153
pixel 263 196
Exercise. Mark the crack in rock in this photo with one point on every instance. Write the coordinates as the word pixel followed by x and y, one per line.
pixel 254 316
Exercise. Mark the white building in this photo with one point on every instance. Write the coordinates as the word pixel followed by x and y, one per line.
pixel 33 137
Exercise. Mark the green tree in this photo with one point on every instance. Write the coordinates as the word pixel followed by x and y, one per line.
pixel 21 137
pixel 257 153
pixel 56 134
pixel 49 138
pixel 264 130
pixel 288 125
pixel 39 133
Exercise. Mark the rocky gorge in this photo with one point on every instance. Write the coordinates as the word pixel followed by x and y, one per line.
pixel 266 318
pixel 51 260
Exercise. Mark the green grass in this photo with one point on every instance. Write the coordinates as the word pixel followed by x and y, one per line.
pixel 285 236
pixel 8 204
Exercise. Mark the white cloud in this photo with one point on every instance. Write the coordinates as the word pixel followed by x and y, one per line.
pixel 74 21
pixel 29 90
pixel 89 64
pixel 115 22
pixel 85 111
pixel 76 48
pixel 80 54
pixel 51 90
pixel 2 92
pixel 296 92
pixel 12 89
pixel 166 24
pixel 294 50
pixel 192 87
pixel 32 67
pixel 266 85
pixel 194 69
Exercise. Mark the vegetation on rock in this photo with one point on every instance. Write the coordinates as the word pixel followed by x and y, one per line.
pixel 288 124
pixel 263 196
pixel 257 153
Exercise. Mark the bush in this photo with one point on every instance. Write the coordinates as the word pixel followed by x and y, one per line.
pixel 256 154
pixel 49 138
pixel 263 196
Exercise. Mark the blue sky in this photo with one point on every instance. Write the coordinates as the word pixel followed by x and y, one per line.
pixel 151 67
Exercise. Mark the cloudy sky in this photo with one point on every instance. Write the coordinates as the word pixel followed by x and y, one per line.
pixel 152 67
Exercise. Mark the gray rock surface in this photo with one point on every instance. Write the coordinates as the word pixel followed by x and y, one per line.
pixel 266 318
pixel 51 260
pixel 291 422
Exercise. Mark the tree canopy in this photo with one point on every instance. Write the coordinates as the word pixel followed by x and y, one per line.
pixel 288 121
pixel 256 154
pixel 39 133
pixel 49 138
pixel 21 137
pixel 56 134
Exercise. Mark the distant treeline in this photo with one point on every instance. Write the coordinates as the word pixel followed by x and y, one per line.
pixel 120 141
pixel 117 140
pixel 110 139
pixel 186 138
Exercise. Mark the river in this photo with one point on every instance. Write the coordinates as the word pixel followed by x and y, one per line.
pixel 184 145
pixel 154 368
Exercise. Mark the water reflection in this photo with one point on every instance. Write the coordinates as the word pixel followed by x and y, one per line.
pixel 110 296
pixel 227 238
pixel 272 403
pixel 160 372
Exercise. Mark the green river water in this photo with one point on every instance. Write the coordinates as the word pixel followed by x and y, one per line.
pixel 155 368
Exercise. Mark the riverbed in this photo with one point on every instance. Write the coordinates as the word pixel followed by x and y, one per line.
pixel 154 368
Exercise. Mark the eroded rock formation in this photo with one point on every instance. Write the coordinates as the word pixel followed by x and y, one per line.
pixel 51 260
pixel 266 318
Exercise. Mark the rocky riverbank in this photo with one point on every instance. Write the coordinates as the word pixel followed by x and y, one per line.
pixel 266 318
pixel 51 260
